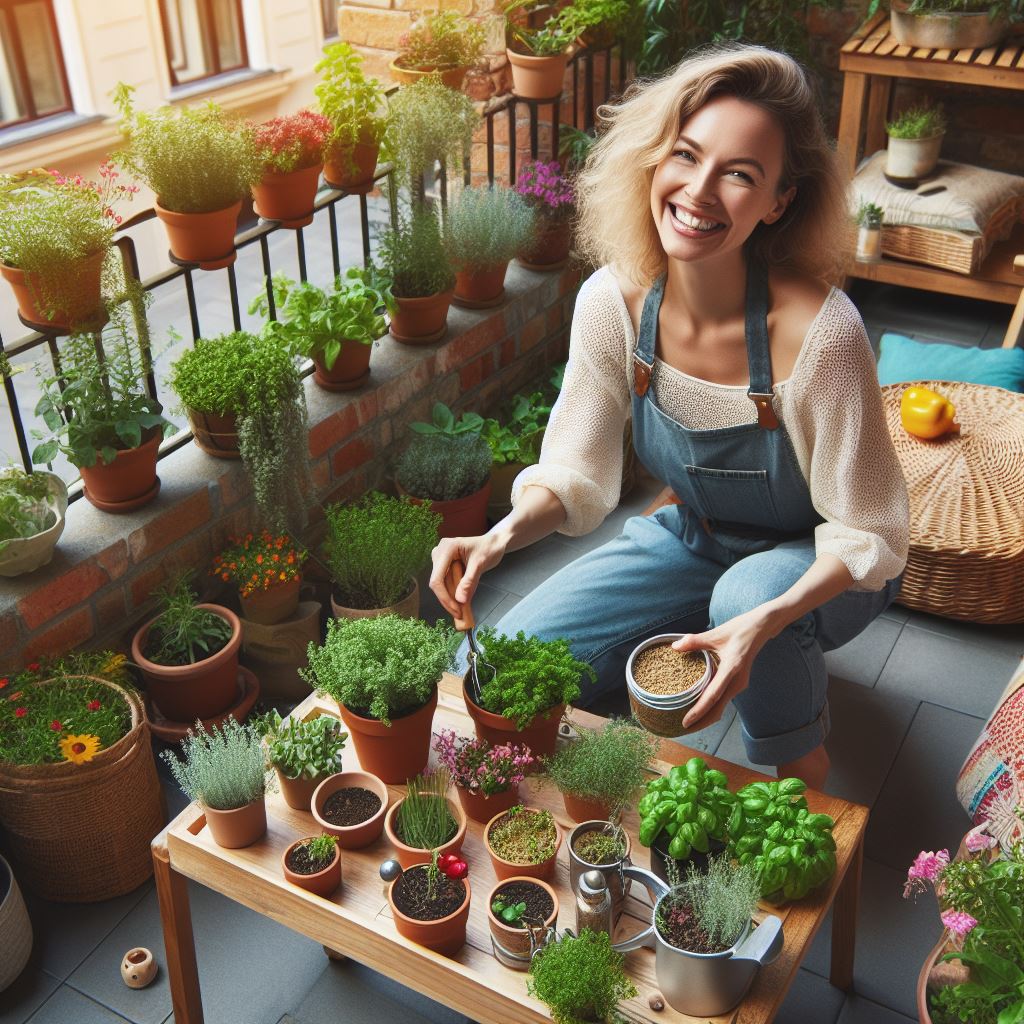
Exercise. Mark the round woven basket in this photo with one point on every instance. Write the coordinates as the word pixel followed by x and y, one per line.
pixel 966 506
pixel 15 930
pixel 81 833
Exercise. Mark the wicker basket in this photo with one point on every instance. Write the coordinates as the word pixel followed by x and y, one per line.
pixel 81 833
pixel 966 506
pixel 15 930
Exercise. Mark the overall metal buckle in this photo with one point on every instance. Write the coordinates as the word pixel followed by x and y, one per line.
pixel 766 418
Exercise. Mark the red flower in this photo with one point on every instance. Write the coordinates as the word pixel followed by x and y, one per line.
pixel 33 666
pixel 94 705
pixel 4 682
pixel 20 712
pixel 56 726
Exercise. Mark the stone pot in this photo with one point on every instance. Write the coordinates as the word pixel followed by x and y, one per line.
pixel 514 946
pixel 204 238
pixel 239 827
pixel 76 288
pixel 25 554
pixel 505 869
pixel 321 883
pixel 127 483
pixel 447 935
pixel 407 856
pixel 907 161
pixel 945 30
pixel 421 320
pixel 540 734
pixel 351 837
pixel 288 198
pixel 269 607
pixel 408 607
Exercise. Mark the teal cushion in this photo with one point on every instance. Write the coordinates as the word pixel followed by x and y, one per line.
pixel 902 359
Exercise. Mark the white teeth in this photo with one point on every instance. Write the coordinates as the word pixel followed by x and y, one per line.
pixel 692 222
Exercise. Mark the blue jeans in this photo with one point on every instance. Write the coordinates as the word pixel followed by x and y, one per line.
pixel 648 581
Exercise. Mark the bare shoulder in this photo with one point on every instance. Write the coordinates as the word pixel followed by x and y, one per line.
pixel 796 300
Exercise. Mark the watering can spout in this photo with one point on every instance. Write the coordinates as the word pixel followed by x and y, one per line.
pixel 763 944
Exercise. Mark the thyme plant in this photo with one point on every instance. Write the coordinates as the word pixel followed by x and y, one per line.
pixel 486 227
pixel 917 123
pixel 414 255
pixel 441 39
pixel 444 468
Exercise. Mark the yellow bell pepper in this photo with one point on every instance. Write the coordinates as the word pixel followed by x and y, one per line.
pixel 926 414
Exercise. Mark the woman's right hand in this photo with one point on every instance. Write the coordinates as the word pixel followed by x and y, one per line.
pixel 477 554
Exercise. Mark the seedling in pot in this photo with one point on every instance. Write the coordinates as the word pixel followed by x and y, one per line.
pixel 423 819
pixel 313 855
pixel 509 913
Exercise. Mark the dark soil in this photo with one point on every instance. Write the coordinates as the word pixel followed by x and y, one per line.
pixel 538 903
pixel 410 895
pixel 299 862
pixel 351 806
pixel 678 927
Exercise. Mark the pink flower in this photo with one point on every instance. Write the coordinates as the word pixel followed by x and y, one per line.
pixel 926 868
pixel 979 841
pixel 958 922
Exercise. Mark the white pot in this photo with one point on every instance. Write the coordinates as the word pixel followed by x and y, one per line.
pixel 23 554
pixel 912 159
pixel 15 929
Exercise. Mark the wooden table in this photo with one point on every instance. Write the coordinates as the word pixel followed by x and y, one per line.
pixel 357 921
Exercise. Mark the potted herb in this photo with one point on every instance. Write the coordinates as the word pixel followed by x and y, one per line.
pixel 538 56
pixel 443 41
pixel 597 23
pixel 600 846
pixel 430 904
pixel 550 194
pixel 599 772
pixel 355 105
pixel 425 821
pixel 950 24
pixel 244 398
pixel 523 841
pixel 268 573
pixel 303 753
pixel 486 777
pixel 223 768
pixel 383 672
pixel 533 681
pixel 374 548
pixel 521 914
pixel 663 683
pixel 580 978
pixel 869 232
pixel 351 807
pixel 313 864
pixel 915 138
pixel 291 150
pixel 200 164
pixel 515 444
pixel 99 416
pixel 485 227
pixel 188 655
pixel 32 507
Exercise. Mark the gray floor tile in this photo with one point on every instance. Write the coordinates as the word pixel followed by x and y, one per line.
pixel 896 613
pixel 858 1010
pixel 506 604
pixel 1008 639
pixel 522 571
pixel 26 995
pixel 864 657
pixel 810 998
pixel 66 1006
pixel 917 808
pixel 731 749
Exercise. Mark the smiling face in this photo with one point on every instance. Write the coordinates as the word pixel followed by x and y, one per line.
pixel 720 181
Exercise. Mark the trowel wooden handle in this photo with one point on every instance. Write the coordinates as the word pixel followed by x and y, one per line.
pixel 465 621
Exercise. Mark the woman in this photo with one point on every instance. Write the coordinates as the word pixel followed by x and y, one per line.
pixel 715 207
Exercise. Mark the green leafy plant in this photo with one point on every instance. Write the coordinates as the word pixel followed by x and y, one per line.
pixel 376 545
pixel 486 226
pixel 196 159
pixel 303 749
pixel 223 766
pixel 443 468
pixel 439 40
pixel 414 255
pixel 508 913
pixel 532 676
pixel 552 39
pixel 321 849
pixel 869 215
pixel 26 505
pixel 443 421
pixel 380 667
pixel 580 979
pixel 424 819
pixel 184 633
pixel 524 836
pixel 520 438
pixel 574 146
pixel 917 123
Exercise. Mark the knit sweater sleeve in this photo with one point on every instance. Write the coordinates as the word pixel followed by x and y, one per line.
pixel 833 412
pixel 581 458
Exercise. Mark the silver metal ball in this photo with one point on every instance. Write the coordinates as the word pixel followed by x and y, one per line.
pixel 390 870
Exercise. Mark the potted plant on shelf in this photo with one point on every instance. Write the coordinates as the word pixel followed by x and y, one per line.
pixel 291 150
pixel 523 841
pixel 355 106
pixel 303 753
pixel 268 573
pixel 188 655
pixel 514 445
pixel 443 41
pixel 224 770
pixel 430 904
pixel 598 23
pixel 486 777
pixel 383 672
pixel 201 165
pixel 551 196
pixel 538 56
pixel 949 24
pixel 32 507
pixel 351 807
pixel 425 821
pixel 869 219
pixel 374 548
pixel 915 138
pixel 313 864
pixel 485 227
pixel 521 915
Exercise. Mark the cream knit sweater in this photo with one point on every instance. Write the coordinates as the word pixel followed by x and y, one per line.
pixel 831 407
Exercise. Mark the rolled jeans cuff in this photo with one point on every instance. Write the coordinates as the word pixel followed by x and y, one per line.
pixel 787 746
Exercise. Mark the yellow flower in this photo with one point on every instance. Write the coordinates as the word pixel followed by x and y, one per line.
pixel 114 667
pixel 80 749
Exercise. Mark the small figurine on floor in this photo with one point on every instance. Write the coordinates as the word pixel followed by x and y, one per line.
pixel 138 968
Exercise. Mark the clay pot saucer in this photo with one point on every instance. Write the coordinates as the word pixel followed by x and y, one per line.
pixel 124 506
pixel 174 732
pixel 428 339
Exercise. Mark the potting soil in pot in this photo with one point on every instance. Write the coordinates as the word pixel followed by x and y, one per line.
pixel 599 847
pixel 350 806
pixel 411 896
pixel 660 669
pixel 539 903
pixel 299 862
pixel 678 926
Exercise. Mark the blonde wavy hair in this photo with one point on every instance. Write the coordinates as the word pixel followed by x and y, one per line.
pixel 615 225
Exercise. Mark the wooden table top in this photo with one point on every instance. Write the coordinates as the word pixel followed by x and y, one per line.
pixel 357 922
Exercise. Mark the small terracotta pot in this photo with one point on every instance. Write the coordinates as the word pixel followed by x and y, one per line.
pixel 420 321
pixel 922 993
pixel 537 78
pixel 517 940
pixel 408 607
pixel 322 883
pixel 452 77
pixel 240 827
pixel 351 837
pixel 269 607
pixel 351 168
pixel 482 808
pixel 580 809
pixel 462 517
pixel 447 935
pixel 350 369
pixel 540 735
pixel 298 793
pixel 549 248
pixel 204 238
pixel 215 433
pixel 78 292
pixel 505 869
pixel 409 855
pixel 288 198
pixel 480 287
pixel 127 483
pixel 184 693
pixel 393 754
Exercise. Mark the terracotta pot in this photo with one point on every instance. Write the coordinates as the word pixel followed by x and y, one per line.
pixel 480 286
pixel 946 30
pixel 184 693
pixel 393 754
pixel 351 168
pixel 452 77
pixel 447 935
pixel 351 837
pixel 505 869
pixel 517 940
pixel 408 607
pixel 407 856
pixel 580 809
pixel 540 735
pixel 463 517
pixel 204 238
pixel 537 78
pixel 298 793
pixel 482 808
pixel 215 433
pixel 77 291
pixel 127 483
pixel 420 321
pixel 323 883
pixel 350 369
pixel 923 1009
pixel 25 554
pixel 269 607
pixel 288 198
pixel 240 827
pixel 550 246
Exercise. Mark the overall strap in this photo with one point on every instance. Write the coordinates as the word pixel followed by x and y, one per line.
pixel 647 338
pixel 759 359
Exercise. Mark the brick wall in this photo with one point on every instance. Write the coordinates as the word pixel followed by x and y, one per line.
pixel 99 586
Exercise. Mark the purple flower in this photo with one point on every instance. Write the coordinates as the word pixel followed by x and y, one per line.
pixel 926 868
pixel 958 922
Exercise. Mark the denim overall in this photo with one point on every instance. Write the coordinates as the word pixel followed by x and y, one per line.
pixel 743 535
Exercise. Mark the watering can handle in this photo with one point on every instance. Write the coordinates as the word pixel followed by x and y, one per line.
pixel 452 578
pixel 657 888
pixel 763 944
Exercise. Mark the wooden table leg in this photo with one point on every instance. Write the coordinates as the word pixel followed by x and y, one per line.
pixel 179 945
pixel 844 922
pixel 851 117
pixel 879 93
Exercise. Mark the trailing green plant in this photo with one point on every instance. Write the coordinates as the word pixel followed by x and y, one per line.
pixel 574 146
pixel 440 40
pixel 380 667
pixel 414 255
pixel 321 849
pixel 424 818
pixel 524 836
pixel 196 159
pixel 519 440
pixel 443 421
pixel 444 468
pixel 303 749
pixel 222 766
pixel 184 633
pixel 580 978
pixel 486 226
pixel 917 123
pixel 376 545
pixel 869 215
pixel 25 505
pixel 532 676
